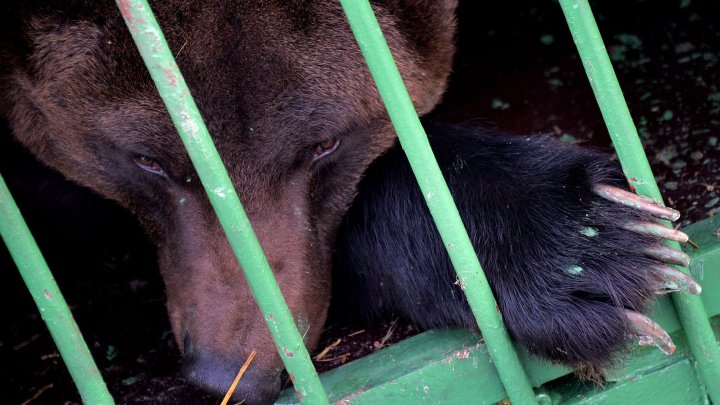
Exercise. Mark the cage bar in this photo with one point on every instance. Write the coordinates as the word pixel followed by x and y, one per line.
pixel 53 308
pixel 212 173
pixel 437 196
pixel 625 139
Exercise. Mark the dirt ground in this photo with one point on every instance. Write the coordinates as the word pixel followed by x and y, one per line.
pixel 517 70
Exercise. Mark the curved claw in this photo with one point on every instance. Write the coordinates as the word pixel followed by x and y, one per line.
pixel 649 333
pixel 667 255
pixel 642 203
pixel 674 280
pixel 658 230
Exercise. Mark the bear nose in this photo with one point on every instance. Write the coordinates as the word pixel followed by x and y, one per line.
pixel 215 372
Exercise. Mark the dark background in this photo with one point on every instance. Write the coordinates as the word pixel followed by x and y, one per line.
pixel 517 70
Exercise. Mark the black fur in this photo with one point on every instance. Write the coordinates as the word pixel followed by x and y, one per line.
pixel 529 210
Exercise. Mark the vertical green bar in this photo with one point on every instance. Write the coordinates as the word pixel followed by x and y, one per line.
pixel 437 195
pixel 50 302
pixel 637 169
pixel 176 95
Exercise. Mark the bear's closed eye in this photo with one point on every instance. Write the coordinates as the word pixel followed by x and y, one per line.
pixel 149 164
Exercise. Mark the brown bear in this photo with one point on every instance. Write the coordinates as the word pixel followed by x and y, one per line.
pixel 292 108
pixel 286 93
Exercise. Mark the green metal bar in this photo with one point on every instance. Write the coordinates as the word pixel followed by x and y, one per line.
pixel 437 196
pixel 175 94
pixel 637 169
pixel 50 302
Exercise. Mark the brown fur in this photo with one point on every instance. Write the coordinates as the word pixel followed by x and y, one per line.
pixel 272 80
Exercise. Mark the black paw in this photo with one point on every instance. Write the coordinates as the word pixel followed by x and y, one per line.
pixel 573 258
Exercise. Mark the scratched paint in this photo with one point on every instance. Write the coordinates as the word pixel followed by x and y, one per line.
pixel 220 191
pixel 189 124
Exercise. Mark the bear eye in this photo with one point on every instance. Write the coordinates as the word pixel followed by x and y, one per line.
pixel 149 164
pixel 325 148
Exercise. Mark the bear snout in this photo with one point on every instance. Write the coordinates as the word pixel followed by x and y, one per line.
pixel 215 372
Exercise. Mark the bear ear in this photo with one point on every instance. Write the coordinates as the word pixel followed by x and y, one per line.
pixel 51 64
pixel 63 52
pixel 428 28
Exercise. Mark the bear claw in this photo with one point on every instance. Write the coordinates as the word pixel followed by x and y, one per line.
pixel 658 230
pixel 668 255
pixel 649 333
pixel 674 280
pixel 570 297
pixel 620 196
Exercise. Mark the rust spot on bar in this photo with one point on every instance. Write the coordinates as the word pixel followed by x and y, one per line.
pixel 170 76
pixel 461 354
pixel 126 11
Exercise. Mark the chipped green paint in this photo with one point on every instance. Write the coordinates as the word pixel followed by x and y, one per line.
pixel 429 368
pixel 50 302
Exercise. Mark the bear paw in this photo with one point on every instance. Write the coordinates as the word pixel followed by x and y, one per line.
pixel 572 257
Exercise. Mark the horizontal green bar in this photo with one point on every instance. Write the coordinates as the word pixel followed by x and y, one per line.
pixel 444 366
pixel 50 302
pixel 437 196
pixel 637 169
pixel 455 364
pixel 212 173
pixel 454 367
pixel 669 385
pixel 705 261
